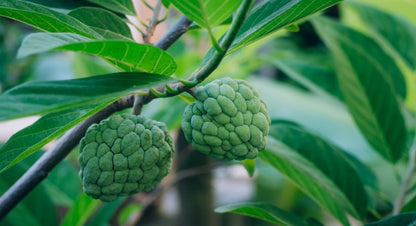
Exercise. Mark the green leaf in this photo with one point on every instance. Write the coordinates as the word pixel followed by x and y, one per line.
pixel 404 219
pixel 81 211
pixel 32 138
pixel 63 192
pixel 394 30
pixel 316 78
pixel 369 80
pixel 327 158
pixel 206 13
pixel 410 205
pixel 63 4
pixel 308 178
pixel 119 6
pixel 37 207
pixel 127 55
pixel 104 214
pixel 266 212
pixel 44 18
pixel 249 165
pixel 104 22
pixel 50 96
pixel 272 15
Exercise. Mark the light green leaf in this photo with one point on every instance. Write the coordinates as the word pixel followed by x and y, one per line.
pixel 316 78
pixel 127 55
pixel 369 80
pixel 119 6
pixel 44 18
pixel 393 29
pixel 249 165
pixel 404 219
pixel 308 178
pixel 272 15
pixel 206 13
pixel 81 211
pixel 104 22
pixel 327 158
pixel 51 96
pixel 266 212
pixel 34 137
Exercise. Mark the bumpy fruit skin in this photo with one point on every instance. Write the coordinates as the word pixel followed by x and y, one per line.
pixel 227 121
pixel 123 155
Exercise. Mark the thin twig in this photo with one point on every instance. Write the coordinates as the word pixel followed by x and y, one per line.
pixel 175 33
pixel 398 204
pixel 153 22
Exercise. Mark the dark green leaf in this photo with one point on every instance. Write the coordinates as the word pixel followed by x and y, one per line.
pixel 104 22
pixel 308 178
pixel 206 13
pixel 316 78
pixel 272 15
pixel 81 211
pixel 166 3
pixel 327 158
pixel 36 208
pixel 64 4
pixel 51 96
pixel 368 78
pixel 63 192
pixel 127 55
pixel 393 29
pixel 266 212
pixel 44 18
pixel 104 214
pixel 119 6
pixel 404 219
pixel 410 205
pixel 47 128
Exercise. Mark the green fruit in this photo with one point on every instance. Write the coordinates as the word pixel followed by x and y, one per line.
pixel 228 120
pixel 123 155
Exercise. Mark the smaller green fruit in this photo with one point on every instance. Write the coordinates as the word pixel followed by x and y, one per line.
pixel 123 155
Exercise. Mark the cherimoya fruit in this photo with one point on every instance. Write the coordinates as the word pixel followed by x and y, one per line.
pixel 228 120
pixel 124 154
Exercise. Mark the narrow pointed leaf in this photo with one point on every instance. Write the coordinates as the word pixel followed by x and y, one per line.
pixel 272 15
pixel 81 211
pixel 206 13
pixel 50 96
pixel 395 30
pixel 370 83
pixel 34 137
pixel 327 158
pixel 266 212
pixel 127 55
pixel 404 219
pixel 308 178
pixel 44 18
pixel 104 22
pixel 119 6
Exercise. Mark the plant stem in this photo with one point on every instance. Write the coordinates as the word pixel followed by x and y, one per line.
pixel 398 204
pixel 153 22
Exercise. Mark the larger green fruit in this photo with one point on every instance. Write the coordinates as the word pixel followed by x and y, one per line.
pixel 123 155
pixel 228 120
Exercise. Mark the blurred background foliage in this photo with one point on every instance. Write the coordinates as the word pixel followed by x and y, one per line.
pixel 293 71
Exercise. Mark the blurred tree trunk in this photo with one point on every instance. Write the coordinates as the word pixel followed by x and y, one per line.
pixel 195 193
